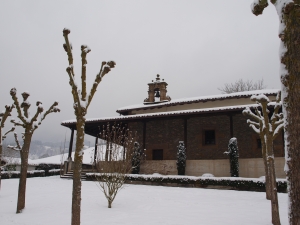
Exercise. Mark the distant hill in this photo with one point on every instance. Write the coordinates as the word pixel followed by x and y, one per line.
pixel 40 149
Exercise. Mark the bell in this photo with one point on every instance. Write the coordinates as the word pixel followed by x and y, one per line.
pixel 157 95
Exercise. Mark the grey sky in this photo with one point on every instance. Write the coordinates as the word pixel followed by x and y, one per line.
pixel 196 46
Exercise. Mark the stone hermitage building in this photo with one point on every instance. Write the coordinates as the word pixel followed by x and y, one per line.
pixel 205 124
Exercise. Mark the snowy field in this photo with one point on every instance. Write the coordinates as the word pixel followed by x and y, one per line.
pixel 48 202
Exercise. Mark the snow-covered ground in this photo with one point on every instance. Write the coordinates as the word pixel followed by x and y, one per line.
pixel 48 202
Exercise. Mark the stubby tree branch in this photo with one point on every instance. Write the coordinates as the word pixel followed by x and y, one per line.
pixel 13 93
pixel 17 123
pixel 18 147
pixel 9 131
pixel 258 6
pixel 52 108
pixel 84 51
pixel 7 113
pixel 105 68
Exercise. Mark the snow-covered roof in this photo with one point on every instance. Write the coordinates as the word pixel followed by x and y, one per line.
pixel 165 114
pixel 244 94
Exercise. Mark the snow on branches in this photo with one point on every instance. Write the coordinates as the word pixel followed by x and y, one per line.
pixel 3 117
pixel 81 100
pixel 25 120
pixel 80 105
pixel 261 123
pixel 267 129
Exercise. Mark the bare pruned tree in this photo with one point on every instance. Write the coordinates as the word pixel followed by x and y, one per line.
pixel 3 118
pixel 242 85
pixel 30 124
pixel 81 103
pixel 114 160
pixel 268 130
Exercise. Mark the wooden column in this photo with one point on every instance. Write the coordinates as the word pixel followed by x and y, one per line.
pixel 71 144
pixel 144 134
pixel 185 133
pixel 231 125
pixel 95 152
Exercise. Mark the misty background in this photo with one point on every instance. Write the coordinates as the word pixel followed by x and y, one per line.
pixel 195 45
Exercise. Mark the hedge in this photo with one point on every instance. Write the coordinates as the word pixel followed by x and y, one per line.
pixel 32 173
pixel 16 174
pixel 232 183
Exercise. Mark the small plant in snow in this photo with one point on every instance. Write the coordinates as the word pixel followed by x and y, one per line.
pixel 181 158
pixel 114 160
pixel 233 153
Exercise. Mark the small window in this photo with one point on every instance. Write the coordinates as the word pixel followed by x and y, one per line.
pixel 157 154
pixel 209 137
pixel 258 141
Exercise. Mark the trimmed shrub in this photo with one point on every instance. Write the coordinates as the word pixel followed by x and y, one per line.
pixel 16 174
pixel 181 158
pixel 233 153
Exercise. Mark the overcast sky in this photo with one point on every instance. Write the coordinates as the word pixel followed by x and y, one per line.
pixel 196 46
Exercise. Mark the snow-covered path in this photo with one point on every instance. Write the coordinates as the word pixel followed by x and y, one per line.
pixel 48 202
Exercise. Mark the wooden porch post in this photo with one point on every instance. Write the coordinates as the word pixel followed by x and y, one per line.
pixel 71 144
pixel 69 163
pixel 231 125
pixel 95 152
pixel 144 134
pixel 185 133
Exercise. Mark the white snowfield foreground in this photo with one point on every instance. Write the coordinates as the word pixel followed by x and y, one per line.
pixel 48 202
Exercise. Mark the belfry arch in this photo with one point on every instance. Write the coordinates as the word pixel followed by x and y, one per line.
pixel 157 89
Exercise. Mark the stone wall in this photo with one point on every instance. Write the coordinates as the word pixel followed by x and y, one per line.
pixel 251 167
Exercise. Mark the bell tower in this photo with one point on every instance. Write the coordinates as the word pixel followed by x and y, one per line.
pixel 157 89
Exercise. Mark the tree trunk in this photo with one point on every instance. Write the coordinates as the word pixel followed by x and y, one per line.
pixel 76 196
pixel 273 185
pixel 267 172
pixel 267 180
pixel 291 105
pixel 1 144
pixel 23 174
